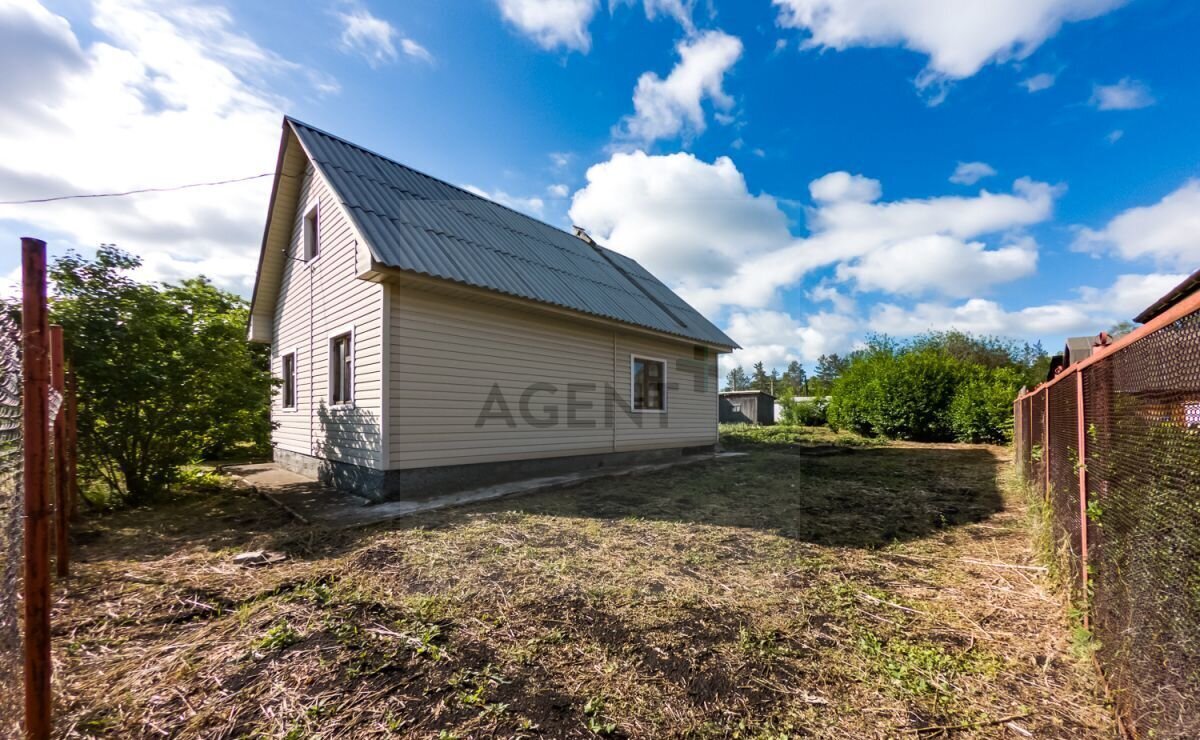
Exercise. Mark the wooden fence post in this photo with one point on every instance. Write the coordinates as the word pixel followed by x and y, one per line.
pixel 62 506
pixel 35 382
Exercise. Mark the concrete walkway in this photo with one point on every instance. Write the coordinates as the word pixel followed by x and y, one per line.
pixel 314 503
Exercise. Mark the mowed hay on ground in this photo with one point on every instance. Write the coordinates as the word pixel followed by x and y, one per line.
pixel 816 587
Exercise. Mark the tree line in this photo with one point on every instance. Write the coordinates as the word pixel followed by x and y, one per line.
pixel 793 381
pixel 939 386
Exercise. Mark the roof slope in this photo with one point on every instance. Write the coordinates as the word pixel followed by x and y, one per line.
pixel 417 223
pixel 1190 285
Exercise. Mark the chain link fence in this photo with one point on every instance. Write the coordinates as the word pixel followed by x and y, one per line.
pixel 11 525
pixel 1114 447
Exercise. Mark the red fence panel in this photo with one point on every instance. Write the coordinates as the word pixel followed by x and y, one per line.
pixel 1137 525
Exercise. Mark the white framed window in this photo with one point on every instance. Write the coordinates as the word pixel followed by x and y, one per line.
pixel 341 368
pixel 312 232
pixel 647 384
pixel 287 373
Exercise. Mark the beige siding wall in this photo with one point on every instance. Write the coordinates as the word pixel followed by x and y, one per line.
pixel 316 300
pixel 691 417
pixel 450 355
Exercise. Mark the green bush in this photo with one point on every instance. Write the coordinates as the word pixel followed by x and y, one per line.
pixel 804 413
pixel 857 394
pixel 933 388
pixel 898 394
pixel 982 409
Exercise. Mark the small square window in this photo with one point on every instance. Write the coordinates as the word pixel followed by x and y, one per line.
pixel 289 380
pixel 649 385
pixel 341 370
pixel 312 233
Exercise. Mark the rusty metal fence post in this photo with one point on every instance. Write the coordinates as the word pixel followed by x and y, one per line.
pixel 35 383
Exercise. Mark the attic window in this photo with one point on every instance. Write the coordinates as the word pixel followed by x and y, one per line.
pixel 312 241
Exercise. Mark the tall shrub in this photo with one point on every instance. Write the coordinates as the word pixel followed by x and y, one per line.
pixel 982 409
pixel 936 387
pixel 165 373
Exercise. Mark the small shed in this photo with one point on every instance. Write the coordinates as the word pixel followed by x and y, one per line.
pixel 747 407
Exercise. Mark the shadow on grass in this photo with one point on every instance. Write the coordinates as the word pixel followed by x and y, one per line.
pixel 824 494
pixel 867 497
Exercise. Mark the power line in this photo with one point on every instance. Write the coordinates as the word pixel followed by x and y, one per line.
pixel 133 192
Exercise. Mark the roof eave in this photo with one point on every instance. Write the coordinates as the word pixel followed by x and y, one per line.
pixel 262 251
pixel 1189 285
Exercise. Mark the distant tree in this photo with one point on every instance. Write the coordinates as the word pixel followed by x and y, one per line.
pixel 759 380
pixel 737 380
pixel 1121 328
pixel 985 351
pixel 829 368
pixel 165 373
pixel 796 379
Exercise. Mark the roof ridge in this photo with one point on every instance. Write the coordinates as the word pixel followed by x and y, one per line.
pixel 662 306
pixel 410 168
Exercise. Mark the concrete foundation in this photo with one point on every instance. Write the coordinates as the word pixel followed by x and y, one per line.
pixel 424 483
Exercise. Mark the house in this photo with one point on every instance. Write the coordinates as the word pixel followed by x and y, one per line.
pixel 747 407
pixel 428 340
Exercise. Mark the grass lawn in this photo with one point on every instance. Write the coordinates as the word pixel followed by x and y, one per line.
pixel 818 587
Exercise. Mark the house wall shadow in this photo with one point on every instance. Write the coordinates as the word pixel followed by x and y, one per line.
pixel 863 498
pixel 347 443
pixel 854 498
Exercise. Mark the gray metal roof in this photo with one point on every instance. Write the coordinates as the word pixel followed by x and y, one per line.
pixel 414 222
pixel 1189 286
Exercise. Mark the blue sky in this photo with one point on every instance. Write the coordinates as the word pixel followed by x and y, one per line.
pixel 790 166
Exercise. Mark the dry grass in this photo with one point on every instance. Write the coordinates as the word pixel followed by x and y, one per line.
pixel 809 589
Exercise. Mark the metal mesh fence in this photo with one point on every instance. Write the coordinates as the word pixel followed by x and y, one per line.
pixel 1139 540
pixel 11 525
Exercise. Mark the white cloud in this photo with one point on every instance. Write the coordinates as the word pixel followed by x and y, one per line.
pixel 558 190
pixel 837 187
pixel 1167 232
pixel 969 173
pixel 1039 82
pixel 534 206
pixel 564 23
pixel 776 337
pixel 664 108
pixel 1092 311
pixel 1114 136
pixel 687 220
pixel 940 263
pixel 552 23
pixel 959 37
pixel 697 225
pixel 165 94
pixel 1125 94
pixel 680 10
pixel 415 50
pixel 371 37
